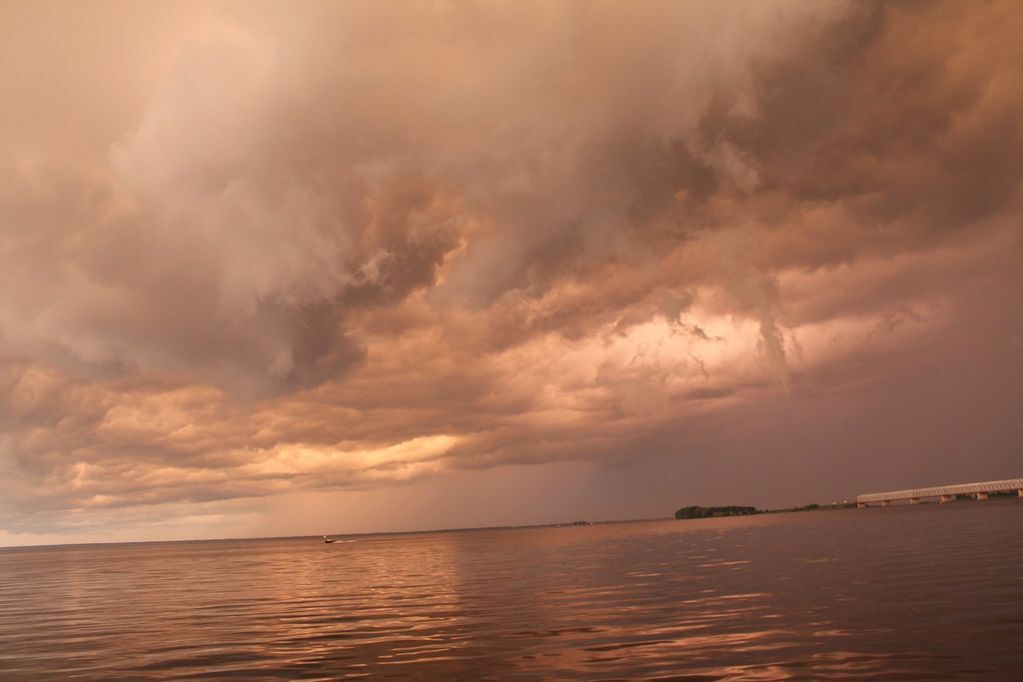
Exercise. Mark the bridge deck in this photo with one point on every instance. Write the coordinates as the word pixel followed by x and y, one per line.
pixel 944 490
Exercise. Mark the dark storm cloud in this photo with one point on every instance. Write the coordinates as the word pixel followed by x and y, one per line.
pixel 348 245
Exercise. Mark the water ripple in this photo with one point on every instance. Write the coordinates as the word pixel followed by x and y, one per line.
pixel 910 594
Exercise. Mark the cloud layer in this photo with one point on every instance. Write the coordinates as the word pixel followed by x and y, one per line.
pixel 251 250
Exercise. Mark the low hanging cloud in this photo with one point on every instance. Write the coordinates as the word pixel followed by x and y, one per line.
pixel 347 245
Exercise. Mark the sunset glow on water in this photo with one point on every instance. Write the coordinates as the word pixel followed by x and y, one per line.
pixel 917 593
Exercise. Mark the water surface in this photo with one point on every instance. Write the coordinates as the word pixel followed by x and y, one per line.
pixel 912 593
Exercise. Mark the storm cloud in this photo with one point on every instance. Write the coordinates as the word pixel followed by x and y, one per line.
pixel 257 250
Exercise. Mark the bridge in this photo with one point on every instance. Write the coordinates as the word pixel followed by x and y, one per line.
pixel 946 493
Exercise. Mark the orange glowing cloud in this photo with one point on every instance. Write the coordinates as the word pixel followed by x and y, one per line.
pixel 252 251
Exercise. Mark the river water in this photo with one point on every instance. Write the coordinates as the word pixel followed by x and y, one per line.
pixel 902 593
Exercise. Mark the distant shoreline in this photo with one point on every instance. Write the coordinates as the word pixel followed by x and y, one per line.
pixel 698 512
pixel 428 531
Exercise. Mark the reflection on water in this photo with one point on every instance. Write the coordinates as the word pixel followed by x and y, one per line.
pixel 920 593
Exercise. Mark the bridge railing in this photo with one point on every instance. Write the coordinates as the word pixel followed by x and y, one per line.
pixel 943 491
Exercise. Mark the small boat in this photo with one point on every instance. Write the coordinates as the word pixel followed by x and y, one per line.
pixel 328 540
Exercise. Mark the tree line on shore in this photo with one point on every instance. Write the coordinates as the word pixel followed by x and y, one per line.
pixel 697 512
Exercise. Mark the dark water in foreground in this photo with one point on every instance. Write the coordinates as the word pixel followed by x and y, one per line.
pixel 920 593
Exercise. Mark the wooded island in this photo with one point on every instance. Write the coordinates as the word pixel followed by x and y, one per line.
pixel 695 512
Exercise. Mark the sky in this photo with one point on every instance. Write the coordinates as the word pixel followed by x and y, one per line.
pixel 321 267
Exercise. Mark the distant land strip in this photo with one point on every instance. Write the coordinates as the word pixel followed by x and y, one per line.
pixel 977 491
pixel 697 512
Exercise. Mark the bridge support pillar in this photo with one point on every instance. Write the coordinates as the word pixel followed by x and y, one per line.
pixel 981 496
pixel 862 505
pixel 914 500
pixel 1019 492
pixel 947 498
pixel 885 503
